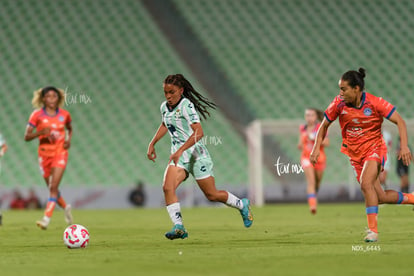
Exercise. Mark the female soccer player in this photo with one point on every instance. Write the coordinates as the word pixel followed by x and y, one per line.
pixel 50 121
pixel 360 117
pixel 313 173
pixel 181 120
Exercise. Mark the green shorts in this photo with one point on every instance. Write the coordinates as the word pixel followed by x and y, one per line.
pixel 200 169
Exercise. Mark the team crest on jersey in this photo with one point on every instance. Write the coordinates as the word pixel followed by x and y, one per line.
pixel 367 111
pixel 61 118
pixel 177 113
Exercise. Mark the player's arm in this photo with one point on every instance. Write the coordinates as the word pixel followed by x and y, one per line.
pixel 194 138
pixel 162 130
pixel 66 144
pixel 320 136
pixel 405 153
pixel 30 135
pixel 300 147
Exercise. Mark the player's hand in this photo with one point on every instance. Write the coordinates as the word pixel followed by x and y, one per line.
pixel 405 155
pixel 151 153
pixel 66 144
pixel 175 157
pixel 45 131
pixel 314 156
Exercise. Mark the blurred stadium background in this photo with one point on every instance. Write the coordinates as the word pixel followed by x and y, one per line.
pixel 257 60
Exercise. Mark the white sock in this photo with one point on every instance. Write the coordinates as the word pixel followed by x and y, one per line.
pixel 234 201
pixel 174 211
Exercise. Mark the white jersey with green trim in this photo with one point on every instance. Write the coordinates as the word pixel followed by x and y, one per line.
pixel 178 122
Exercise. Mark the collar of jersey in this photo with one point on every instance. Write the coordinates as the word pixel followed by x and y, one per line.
pixel 172 108
pixel 362 102
pixel 45 113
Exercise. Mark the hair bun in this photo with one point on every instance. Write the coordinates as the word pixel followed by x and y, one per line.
pixel 361 72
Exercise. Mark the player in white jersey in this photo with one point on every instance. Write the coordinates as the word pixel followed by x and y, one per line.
pixel 188 155
pixel 3 149
pixel 383 175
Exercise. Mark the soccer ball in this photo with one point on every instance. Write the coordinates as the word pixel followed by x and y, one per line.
pixel 76 236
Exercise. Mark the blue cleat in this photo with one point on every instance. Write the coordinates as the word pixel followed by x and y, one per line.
pixel 246 213
pixel 177 232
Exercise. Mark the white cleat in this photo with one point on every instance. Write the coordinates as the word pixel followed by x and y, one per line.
pixel 371 236
pixel 68 214
pixel 43 223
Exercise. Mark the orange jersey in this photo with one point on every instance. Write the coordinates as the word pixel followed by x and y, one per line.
pixel 308 140
pixel 51 144
pixel 360 126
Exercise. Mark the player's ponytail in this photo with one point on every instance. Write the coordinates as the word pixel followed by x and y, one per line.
pixel 355 78
pixel 200 102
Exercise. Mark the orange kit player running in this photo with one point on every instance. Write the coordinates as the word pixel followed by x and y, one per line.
pixel 50 121
pixel 360 117
pixel 313 173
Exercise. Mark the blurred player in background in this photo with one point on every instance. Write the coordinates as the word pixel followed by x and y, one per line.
pixel 3 149
pixel 313 173
pixel 51 123
pixel 386 168
pixel 402 171
pixel 180 118
pixel 360 117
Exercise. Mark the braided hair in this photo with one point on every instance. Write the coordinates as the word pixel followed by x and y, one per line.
pixel 200 102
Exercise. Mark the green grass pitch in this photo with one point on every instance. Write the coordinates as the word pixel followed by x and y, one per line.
pixel 284 240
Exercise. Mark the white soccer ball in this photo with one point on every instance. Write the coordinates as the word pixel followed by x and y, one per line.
pixel 76 236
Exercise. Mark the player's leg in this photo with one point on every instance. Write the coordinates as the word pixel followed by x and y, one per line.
pixel 402 171
pixel 208 186
pixel 56 175
pixel 392 197
pixel 173 177
pixel 311 188
pixel 368 178
pixel 405 186
pixel 383 178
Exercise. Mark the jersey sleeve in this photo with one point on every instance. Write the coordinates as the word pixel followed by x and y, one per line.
pixel 332 112
pixel 384 108
pixel 33 119
pixel 190 113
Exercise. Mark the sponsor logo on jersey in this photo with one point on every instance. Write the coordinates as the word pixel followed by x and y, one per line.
pixel 367 111
pixel 355 121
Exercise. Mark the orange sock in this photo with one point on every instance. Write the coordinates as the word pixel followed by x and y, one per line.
pixel 372 214
pixel 50 206
pixel 61 202
pixel 407 198
pixel 312 201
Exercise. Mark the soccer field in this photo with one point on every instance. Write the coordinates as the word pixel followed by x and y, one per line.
pixel 284 240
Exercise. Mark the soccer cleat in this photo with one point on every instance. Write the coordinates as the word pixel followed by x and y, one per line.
pixel 313 210
pixel 68 214
pixel 371 236
pixel 43 223
pixel 177 232
pixel 246 213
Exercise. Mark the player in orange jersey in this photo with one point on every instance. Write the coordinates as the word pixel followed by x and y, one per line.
pixel 360 117
pixel 313 173
pixel 51 123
